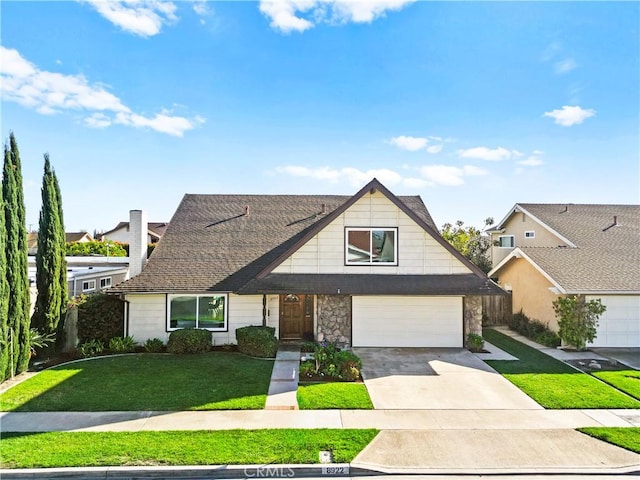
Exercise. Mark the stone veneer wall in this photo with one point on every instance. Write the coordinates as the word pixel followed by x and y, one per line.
pixel 334 318
pixel 472 315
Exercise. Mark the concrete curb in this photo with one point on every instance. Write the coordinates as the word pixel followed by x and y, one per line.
pixel 189 472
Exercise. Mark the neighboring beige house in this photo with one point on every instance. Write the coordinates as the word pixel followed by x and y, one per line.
pixel 541 251
pixel 364 270
pixel 121 232
pixel 32 239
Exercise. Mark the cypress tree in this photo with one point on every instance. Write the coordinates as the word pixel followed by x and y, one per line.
pixel 48 265
pixel 64 286
pixel 4 296
pixel 16 256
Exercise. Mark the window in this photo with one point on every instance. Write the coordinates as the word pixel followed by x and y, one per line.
pixel 197 311
pixel 530 234
pixel 88 285
pixel 105 282
pixel 506 241
pixel 371 246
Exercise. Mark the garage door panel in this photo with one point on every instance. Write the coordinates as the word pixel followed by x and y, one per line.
pixel 407 321
pixel 619 326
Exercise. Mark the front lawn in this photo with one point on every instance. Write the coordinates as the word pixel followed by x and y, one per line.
pixel 550 382
pixel 626 380
pixel 628 438
pixel 208 381
pixel 332 395
pixel 224 447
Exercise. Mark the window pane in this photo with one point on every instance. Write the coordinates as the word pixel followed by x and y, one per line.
pixel 183 312
pixel 211 312
pixel 384 242
pixel 359 246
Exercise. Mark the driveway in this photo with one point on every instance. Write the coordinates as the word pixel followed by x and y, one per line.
pixel 436 378
pixel 628 356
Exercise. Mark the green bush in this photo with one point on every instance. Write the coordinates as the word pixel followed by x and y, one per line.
pixel 349 364
pixel 548 338
pixel 475 342
pixel 91 348
pixel 332 363
pixel 533 329
pixel 106 248
pixel 154 345
pixel 100 317
pixel 189 340
pixel 257 341
pixel 122 345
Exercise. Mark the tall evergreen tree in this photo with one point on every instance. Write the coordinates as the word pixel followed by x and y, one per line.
pixel 48 257
pixel 16 255
pixel 4 295
pixel 64 286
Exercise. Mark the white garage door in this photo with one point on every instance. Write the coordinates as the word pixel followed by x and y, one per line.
pixel 619 325
pixel 407 321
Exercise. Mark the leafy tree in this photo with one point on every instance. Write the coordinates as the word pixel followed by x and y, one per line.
pixel 469 242
pixel 108 247
pixel 578 319
pixel 16 260
pixel 51 278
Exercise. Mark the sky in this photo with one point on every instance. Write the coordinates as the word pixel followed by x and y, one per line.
pixel 474 106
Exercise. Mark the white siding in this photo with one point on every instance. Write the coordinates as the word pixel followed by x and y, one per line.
pixel 619 326
pixel 418 252
pixel 148 316
pixel 407 321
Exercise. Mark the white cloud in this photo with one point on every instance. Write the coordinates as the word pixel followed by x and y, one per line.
pixel 484 153
pixel 287 15
pixel 448 175
pixel 53 93
pixel 409 143
pixel 140 17
pixel 416 183
pixel 568 116
pixel 353 176
pixel 201 7
pixel 533 160
pixel 434 148
pixel 565 66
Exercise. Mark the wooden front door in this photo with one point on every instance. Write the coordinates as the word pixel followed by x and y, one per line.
pixel 296 317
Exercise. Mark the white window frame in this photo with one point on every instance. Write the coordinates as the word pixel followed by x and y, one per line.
pixel 224 328
pixel 513 241
pixel 371 262
pixel 89 287
pixel 106 281
pixel 530 234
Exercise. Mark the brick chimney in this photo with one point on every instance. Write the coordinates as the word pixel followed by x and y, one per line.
pixel 138 229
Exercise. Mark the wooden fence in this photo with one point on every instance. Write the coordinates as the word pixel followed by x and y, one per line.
pixel 496 309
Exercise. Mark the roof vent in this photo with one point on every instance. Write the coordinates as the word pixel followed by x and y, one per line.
pixel 614 224
pixel 324 209
pixel 566 209
pixel 246 210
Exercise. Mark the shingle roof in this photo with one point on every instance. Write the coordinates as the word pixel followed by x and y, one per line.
pixel 605 259
pixel 156 227
pixel 212 245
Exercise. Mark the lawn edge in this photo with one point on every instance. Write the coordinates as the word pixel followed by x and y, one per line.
pixel 586 431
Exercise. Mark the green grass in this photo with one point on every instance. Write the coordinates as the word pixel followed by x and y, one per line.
pixel 90 449
pixel 345 395
pixel 628 438
pixel 550 382
pixel 209 381
pixel 626 380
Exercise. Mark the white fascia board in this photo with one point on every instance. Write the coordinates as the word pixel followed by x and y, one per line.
pixel 517 253
pixel 500 225
pixel 602 292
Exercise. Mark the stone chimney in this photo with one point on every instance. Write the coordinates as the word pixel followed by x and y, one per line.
pixel 138 230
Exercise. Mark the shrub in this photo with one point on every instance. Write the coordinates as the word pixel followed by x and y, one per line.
pixel 39 341
pixel 154 345
pixel 307 369
pixel 189 340
pixel 349 364
pixel 106 248
pixel 91 348
pixel 578 319
pixel 548 338
pixel 257 341
pixel 329 361
pixel 122 345
pixel 475 342
pixel 100 317
pixel 308 347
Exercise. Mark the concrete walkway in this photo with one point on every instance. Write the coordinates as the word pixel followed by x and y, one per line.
pixel 259 419
pixel 284 379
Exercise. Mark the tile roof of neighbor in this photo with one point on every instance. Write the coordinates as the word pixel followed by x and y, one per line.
pixel 211 245
pixel 605 259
